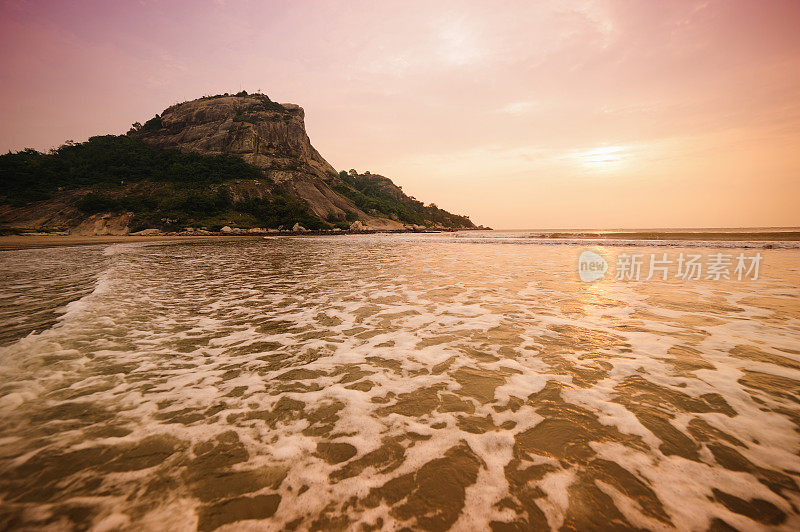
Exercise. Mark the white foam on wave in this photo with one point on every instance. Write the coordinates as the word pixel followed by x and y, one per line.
pixel 176 335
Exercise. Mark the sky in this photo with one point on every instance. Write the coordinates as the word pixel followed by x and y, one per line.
pixel 546 114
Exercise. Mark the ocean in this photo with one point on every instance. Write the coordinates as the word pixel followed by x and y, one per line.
pixel 466 381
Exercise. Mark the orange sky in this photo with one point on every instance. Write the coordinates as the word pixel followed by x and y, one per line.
pixel 521 114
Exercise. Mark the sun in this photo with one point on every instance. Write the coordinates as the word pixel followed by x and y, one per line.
pixel 605 157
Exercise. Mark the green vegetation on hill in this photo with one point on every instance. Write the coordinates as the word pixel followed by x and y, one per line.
pixel 379 195
pixel 170 190
pixel 171 208
pixel 107 161
pixel 163 188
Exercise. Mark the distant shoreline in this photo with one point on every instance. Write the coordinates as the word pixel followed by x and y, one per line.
pixel 34 241
pixel 714 236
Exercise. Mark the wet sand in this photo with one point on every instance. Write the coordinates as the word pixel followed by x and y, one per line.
pixel 382 382
pixel 10 242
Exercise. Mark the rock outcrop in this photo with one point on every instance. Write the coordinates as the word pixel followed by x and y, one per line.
pixel 104 224
pixel 357 226
pixel 268 135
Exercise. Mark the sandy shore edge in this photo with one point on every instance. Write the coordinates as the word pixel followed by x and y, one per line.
pixel 13 242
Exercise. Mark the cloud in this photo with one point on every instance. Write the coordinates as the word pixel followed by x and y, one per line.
pixel 519 108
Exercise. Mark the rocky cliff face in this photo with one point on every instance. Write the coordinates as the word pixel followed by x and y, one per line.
pixel 266 134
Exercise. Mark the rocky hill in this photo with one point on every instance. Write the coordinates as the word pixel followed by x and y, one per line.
pixel 227 160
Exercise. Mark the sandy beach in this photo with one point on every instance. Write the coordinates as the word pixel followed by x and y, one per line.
pixel 11 242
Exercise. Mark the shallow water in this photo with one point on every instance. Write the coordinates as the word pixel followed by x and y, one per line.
pixel 376 382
